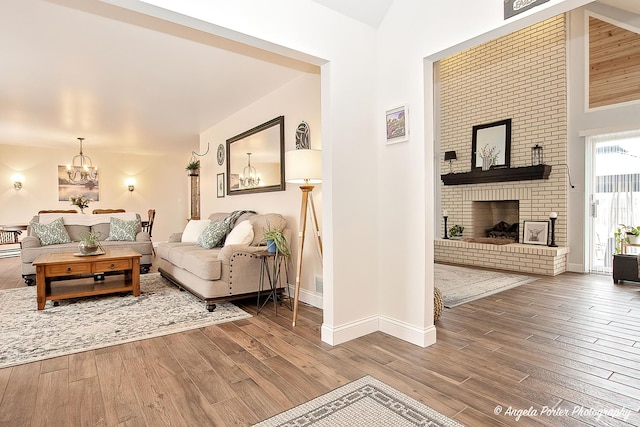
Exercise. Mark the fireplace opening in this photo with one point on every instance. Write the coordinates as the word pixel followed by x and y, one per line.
pixel 503 230
pixel 498 219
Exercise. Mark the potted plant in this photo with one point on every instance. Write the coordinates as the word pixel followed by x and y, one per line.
pixel 455 232
pixel 627 234
pixel 275 240
pixel 90 242
pixel 193 167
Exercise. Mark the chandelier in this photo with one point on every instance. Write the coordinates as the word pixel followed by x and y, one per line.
pixel 81 169
pixel 249 177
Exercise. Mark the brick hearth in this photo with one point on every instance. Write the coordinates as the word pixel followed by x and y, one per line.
pixel 513 257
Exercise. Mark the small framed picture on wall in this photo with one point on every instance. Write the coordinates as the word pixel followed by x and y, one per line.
pixel 397 125
pixel 220 178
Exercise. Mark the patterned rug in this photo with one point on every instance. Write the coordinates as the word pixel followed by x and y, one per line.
pixel 460 285
pixel 361 403
pixel 81 324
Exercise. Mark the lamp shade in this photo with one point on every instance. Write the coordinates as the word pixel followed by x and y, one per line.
pixel 303 166
pixel 450 155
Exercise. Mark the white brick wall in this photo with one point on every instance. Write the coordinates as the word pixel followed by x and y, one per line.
pixel 521 76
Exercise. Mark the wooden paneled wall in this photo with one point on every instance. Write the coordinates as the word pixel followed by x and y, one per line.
pixel 614 64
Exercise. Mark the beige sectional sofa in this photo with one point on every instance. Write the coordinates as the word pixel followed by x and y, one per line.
pixel 220 273
pixel 76 225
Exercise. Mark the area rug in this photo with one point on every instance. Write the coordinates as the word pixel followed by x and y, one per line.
pixel 10 252
pixel 460 285
pixel 361 403
pixel 81 324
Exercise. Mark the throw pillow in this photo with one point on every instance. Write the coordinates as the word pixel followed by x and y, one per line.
pixel 194 229
pixel 120 230
pixel 242 234
pixel 213 235
pixel 51 234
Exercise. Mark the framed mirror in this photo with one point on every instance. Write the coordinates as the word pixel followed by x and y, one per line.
pixel 255 159
pixel 492 139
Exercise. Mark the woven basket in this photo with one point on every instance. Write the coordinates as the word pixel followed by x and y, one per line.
pixel 438 304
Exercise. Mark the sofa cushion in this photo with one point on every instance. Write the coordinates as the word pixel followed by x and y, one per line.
pixel 213 235
pixel 77 231
pixel 197 260
pixel 203 263
pixel 53 233
pixel 102 230
pixel 194 229
pixel 264 222
pixel 123 230
pixel 242 234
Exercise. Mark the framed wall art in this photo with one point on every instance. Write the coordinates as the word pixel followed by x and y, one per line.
pixel 491 140
pixel 397 125
pixel 68 188
pixel 220 185
pixel 535 232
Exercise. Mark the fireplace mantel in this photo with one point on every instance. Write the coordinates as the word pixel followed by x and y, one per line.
pixel 497 175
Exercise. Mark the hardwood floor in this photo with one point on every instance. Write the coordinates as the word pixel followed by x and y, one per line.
pixel 557 344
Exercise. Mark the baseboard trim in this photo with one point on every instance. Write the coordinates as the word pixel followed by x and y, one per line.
pixel 349 331
pixel 308 297
pixel 576 268
pixel 422 337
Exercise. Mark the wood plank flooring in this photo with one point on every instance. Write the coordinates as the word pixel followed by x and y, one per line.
pixel 552 352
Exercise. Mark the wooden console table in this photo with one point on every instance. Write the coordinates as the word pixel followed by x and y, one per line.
pixel 62 266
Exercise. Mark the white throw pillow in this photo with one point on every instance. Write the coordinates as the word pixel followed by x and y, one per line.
pixel 242 234
pixel 194 229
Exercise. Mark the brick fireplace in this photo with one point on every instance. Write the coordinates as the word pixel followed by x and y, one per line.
pixel 508 81
pixel 480 207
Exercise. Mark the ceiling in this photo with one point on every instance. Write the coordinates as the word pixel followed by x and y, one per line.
pixel 130 82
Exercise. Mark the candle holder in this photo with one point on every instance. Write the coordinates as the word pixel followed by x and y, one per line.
pixel 445 226
pixel 553 232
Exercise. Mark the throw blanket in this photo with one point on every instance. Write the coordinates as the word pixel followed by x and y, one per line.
pixel 230 221
pixel 86 219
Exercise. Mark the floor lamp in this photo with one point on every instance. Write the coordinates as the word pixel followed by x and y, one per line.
pixel 304 167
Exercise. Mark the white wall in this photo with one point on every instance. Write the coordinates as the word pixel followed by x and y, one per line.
pixel 161 184
pixel 377 199
pixel 584 121
pixel 410 32
pixel 297 101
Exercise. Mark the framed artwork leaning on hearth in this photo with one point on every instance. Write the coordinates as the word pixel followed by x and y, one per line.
pixel 535 232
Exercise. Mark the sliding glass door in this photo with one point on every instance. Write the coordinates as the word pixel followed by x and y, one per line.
pixel 615 192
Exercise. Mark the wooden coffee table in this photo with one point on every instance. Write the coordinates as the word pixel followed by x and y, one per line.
pixel 63 266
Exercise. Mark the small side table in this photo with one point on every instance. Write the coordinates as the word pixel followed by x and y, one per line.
pixel 271 264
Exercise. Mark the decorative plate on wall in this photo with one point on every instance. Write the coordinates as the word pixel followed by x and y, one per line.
pixel 220 154
pixel 302 136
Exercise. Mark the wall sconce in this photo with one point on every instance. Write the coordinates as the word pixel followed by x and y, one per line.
pixel 17 181
pixel 536 155
pixel 130 183
pixel 450 156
